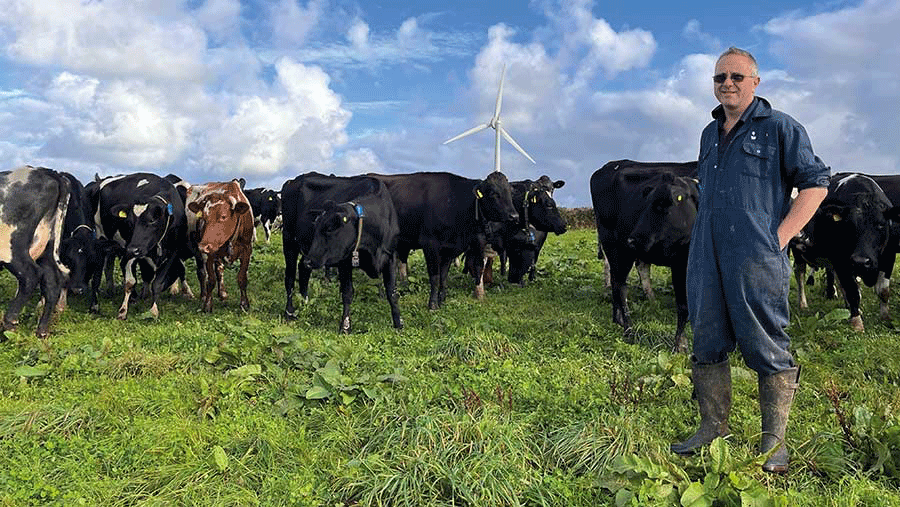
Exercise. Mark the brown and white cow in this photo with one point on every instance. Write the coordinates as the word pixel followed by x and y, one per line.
pixel 220 226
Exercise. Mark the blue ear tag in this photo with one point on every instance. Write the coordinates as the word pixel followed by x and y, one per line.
pixel 169 209
pixel 360 211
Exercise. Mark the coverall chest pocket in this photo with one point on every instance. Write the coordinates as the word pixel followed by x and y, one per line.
pixel 757 159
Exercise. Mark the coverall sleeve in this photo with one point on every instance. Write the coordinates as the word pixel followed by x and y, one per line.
pixel 802 167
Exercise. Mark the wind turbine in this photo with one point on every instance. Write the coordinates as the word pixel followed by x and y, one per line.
pixel 495 124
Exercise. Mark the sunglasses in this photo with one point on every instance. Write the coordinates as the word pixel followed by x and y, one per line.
pixel 735 77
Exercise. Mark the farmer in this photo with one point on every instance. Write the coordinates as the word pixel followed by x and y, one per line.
pixel 751 156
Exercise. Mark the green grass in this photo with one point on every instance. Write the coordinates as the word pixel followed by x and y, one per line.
pixel 531 397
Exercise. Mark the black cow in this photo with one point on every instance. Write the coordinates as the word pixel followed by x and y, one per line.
pixel 851 234
pixel 444 214
pixel 145 215
pixel 266 205
pixel 644 213
pixel 33 203
pixel 361 232
pixel 80 250
pixel 305 199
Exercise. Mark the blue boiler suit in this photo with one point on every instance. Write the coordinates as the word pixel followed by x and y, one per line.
pixel 738 277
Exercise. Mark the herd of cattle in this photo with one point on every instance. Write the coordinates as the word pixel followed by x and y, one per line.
pixel 61 235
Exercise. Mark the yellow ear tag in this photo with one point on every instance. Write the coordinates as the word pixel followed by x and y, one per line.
pixel 836 217
pixel 345 219
pixel 199 214
pixel 479 194
pixel 122 214
pixel 534 199
pixel 680 198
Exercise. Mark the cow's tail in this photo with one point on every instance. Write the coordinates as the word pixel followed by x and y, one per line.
pixel 62 204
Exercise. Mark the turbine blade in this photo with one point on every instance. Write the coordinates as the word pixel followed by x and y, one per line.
pixel 516 145
pixel 499 93
pixel 468 132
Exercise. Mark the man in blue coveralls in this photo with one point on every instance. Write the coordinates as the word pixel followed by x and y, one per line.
pixel 751 156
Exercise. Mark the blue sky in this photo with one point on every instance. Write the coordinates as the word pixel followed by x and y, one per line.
pixel 215 89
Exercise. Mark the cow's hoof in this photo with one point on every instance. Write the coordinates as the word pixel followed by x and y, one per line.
pixel 290 316
pixel 9 325
pixel 245 305
pixel 479 293
pixel 856 323
pixel 95 309
pixel 433 306
pixel 42 334
pixel 123 314
pixel 223 295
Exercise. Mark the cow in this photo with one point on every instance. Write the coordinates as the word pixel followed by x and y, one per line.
pixel 644 213
pixel 444 214
pixel 304 199
pixel 538 216
pixel 221 230
pixel 361 232
pixel 80 250
pixel 266 206
pixel 851 234
pixel 145 214
pixel 33 204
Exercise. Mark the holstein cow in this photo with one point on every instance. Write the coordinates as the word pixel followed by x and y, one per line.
pixel 644 213
pixel 33 203
pixel 444 215
pixel 145 215
pixel 80 250
pixel 266 206
pixel 363 233
pixel 305 220
pixel 221 223
pixel 851 234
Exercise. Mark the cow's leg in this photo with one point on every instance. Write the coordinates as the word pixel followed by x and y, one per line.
pixel 402 258
pixel 128 275
pixel 433 263
pixel 620 263
pixel 95 287
pixel 800 277
pixel 851 295
pixel 643 270
pixel 829 283
pixel 290 278
pixel 50 280
pixel 109 267
pixel 389 275
pixel 679 283
pixel 27 273
pixel 242 277
pixel 220 279
pixel 442 280
pixel 210 283
pixel 345 277
pixel 201 274
pixel 883 286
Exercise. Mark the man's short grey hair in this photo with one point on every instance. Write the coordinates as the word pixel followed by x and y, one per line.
pixel 737 51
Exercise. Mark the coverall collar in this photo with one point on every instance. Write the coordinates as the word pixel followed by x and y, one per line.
pixel 759 108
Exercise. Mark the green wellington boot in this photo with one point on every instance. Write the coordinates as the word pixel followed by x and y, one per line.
pixel 712 388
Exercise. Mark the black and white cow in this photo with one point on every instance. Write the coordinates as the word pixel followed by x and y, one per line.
pixel 145 215
pixel 644 213
pixel 266 206
pixel 444 215
pixel 852 233
pixel 362 232
pixel 33 203
pixel 314 206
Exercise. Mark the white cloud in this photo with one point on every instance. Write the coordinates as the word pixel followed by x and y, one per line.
pixel 693 31
pixel 293 24
pixel 220 18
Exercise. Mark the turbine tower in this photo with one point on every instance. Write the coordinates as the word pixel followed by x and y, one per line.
pixel 495 124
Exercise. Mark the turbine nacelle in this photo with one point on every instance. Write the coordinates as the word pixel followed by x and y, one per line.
pixel 495 124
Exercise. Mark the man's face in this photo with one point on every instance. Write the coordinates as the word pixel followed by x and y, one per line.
pixel 735 96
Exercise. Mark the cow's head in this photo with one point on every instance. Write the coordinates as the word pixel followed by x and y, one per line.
pixel 219 215
pixel 521 249
pixel 493 197
pixel 856 233
pixel 335 235
pixel 75 252
pixel 541 209
pixel 669 211
pixel 149 222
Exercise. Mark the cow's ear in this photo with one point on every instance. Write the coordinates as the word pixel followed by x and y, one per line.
pixel 195 206
pixel 241 207
pixel 558 184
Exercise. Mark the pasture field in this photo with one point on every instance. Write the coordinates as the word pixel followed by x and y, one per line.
pixel 531 397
